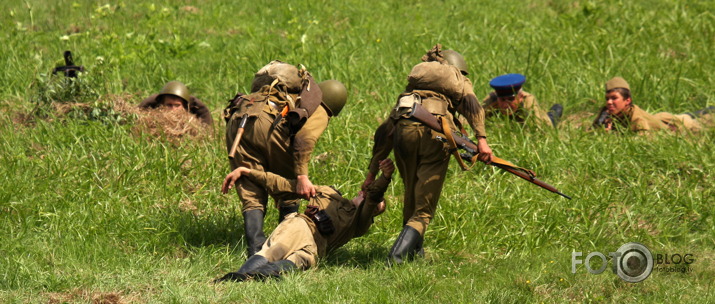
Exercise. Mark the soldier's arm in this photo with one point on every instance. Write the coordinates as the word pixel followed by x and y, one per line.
pixel 275 184
pixel 474 113
pixel 201 111
pixel 149 102
pixel 305 140
pixel 380 150
pixel 532 106
pixel 374 194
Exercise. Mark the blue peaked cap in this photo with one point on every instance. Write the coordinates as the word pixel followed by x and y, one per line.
pixel 507 85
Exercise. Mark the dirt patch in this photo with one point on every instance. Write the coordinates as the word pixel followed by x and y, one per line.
pixel 79 295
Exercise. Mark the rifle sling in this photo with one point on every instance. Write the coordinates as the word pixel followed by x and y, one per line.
pixel 453 145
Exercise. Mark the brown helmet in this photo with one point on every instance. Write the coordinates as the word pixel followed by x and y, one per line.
pixel 456 59
pixel 177 89
pixel 334 96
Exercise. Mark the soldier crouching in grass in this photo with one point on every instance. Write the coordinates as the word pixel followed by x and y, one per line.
pixel 621 114
pixel 510 100
pixel 329 222
pixel 176 96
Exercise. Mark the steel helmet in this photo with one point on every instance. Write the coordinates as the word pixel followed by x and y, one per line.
pixel 456 59
pixel 177 89
pixel 334 96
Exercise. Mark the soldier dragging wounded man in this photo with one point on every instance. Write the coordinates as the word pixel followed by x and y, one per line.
pixel 329 222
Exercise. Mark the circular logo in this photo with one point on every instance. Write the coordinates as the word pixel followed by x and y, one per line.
pixel 635 262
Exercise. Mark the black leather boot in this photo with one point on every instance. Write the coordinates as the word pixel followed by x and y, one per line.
pixel 253 263
pixel 555 113
pixel 408 244
pixel 285 210
pixel 253 227
pixel 272 270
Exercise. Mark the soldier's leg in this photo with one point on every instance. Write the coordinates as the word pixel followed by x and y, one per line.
pixel 254 199
pixel 415 152
pixel 251 154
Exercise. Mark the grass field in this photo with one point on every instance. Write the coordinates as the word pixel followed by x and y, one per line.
pixel 95 211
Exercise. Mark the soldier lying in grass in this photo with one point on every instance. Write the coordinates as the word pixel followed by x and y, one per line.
pixel 330 221
pixel 620 113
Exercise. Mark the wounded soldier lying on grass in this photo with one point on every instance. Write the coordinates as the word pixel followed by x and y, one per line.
pixel 329 221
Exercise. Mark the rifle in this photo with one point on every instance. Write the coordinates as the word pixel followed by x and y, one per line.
pixel 601 120
pixel 424 116
pixel 239 134
pixel 69 69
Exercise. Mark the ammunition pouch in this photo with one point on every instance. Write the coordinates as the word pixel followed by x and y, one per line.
pixel 321 219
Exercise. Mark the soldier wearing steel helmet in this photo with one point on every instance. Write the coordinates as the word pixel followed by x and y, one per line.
pixel 176 96
pixel 440 85
pixel 285 114
pixel 620 113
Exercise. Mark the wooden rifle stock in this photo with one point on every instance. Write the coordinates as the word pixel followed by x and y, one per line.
pixel 425 117
pixel 239 134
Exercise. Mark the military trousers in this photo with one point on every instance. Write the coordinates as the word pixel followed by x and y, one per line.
pixel 680 122
pixel 292 240
pixel 263 147
pixel 422 161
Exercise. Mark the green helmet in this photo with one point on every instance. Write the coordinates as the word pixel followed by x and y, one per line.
pixel 177 89
pixel 334 96
pixel 456 59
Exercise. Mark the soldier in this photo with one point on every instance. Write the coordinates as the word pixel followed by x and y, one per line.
pixel 281 121
pixel 620 113
pixel 176 96
pixel 440 85
pixel 330 221
pixel 509 99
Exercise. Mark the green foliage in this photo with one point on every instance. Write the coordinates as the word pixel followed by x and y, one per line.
pixel 93 211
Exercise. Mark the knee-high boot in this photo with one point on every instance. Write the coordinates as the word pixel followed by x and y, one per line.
pixel 253 227
pixel 408 243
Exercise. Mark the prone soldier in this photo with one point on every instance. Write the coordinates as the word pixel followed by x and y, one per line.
pixel 509 99
pixel 176 96
pixel 441 86
pixel 620 113
pixel 329 222
pixel 280 123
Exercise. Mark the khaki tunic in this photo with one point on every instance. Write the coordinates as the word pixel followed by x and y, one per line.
pixel 196 107
pixel 267 148
pixel 297 238
pixel 421 159
pixel 529 109
pixel 637 120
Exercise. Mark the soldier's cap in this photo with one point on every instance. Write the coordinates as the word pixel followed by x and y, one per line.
pixel 507 85
pixel 617 83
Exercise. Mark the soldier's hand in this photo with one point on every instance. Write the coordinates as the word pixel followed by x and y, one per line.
pixel 387 167
pixel 485 152
pixel 304 187
pixel 232 177
pixel 368 180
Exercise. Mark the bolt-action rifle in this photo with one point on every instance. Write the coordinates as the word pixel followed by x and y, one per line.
pixel 440 125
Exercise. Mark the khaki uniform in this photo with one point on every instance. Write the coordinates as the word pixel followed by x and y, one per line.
pixel 637 120
pixel 267 148
pixel 297 238
pixel 529 109
pixel 421 158
pixel 196 107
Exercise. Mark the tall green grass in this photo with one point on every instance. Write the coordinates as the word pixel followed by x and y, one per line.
pixel 92 210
